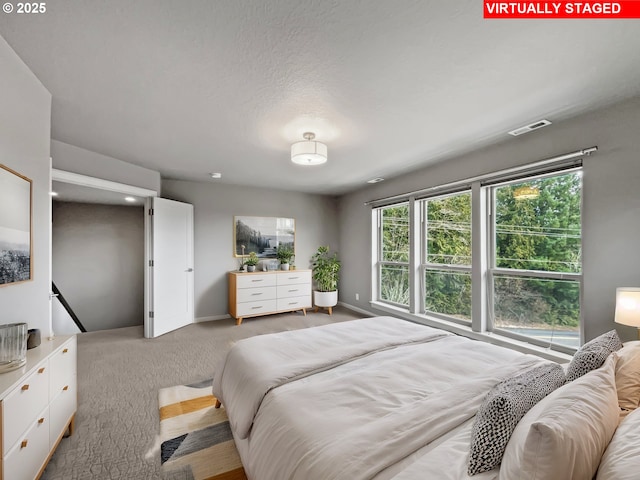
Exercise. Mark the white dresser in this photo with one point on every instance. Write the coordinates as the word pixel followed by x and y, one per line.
pixel 38 404
pixel 262 293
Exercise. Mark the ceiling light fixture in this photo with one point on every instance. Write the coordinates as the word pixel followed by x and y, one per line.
pixel 130 199
pixel 215 175
pixel 376 180
pixel 53 194
pixel 309 152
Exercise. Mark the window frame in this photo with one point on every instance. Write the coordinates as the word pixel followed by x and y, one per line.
pixel 380 262
pixel 425 265
pixel 492 270
pixel 483 256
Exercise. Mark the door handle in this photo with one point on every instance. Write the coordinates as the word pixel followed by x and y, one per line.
pixel 189 270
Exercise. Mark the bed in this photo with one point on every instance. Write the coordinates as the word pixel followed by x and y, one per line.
pixel 377 398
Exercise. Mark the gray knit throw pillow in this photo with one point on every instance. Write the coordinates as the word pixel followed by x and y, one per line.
pixel 502 409
pixel 593 354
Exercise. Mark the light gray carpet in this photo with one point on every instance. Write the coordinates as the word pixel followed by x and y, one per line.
pixel 119 374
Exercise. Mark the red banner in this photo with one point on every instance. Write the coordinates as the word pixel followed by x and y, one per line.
pixel 562 9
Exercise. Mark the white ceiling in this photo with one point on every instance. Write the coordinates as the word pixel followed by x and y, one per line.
pixel 197 86
pixel 68 192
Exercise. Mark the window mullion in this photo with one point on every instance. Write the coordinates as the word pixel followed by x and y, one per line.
pixel 414 255
pixel 479 219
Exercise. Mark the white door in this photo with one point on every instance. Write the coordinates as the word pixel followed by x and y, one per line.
pixel 170 267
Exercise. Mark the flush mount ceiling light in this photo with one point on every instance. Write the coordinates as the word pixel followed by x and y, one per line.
pixel 309 152
pixel 215 175
pixel 130 199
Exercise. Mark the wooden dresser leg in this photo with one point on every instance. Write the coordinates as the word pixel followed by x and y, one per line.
pixel 330 310
pixel 217 405
pixel 304 310
pixel 71 427
pixel 316 309
pixel 238 320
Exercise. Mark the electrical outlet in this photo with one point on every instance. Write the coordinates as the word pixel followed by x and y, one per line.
pixel 357 296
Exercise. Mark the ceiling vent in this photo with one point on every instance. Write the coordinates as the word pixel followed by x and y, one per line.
pixel 529 128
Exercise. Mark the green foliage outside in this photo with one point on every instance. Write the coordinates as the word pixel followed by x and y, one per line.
pixel 542 233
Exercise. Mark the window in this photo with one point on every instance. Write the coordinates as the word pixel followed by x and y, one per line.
pixel 537 258
pixel 393 256
pixel 524 278
pixel 447 257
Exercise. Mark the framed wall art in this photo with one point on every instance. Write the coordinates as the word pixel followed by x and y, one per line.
pixel 262 235
pixel 15 227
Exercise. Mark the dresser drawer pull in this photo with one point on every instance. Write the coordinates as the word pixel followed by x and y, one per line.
pixel 41 370
pixel 24 444
pixel 65 388
pixel 293 290
pixel 293 278
pixel 25 387
pixel 65 350
pixel 256 308
pixel 41 420
pixel 293 303
pixel 256 294
pixel 258 280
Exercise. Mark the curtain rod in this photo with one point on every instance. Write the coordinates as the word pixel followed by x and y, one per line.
pixel 566 156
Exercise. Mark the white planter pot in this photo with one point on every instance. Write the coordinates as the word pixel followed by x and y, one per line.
pixel 325 299
pixel 284 266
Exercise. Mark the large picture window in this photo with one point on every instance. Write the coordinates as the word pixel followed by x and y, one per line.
pixel 522 279
pixel 537 258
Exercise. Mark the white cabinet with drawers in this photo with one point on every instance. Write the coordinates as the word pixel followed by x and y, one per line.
pixel 262 293
pixel 37 407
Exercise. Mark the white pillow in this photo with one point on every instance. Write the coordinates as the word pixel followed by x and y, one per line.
pixel 564 436
pixel 628 375
pixel 621 460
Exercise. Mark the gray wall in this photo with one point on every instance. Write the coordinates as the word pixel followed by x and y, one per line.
pixel 98 262
pixel 25 130
pixel 611 208
pixel 78 160
pixel 214 209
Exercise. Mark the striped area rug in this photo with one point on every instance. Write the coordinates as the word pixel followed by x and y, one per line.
pixel 196 434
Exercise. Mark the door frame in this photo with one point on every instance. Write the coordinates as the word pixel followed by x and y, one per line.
pixel 102 184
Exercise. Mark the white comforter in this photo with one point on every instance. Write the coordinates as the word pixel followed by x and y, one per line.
pixel 356 400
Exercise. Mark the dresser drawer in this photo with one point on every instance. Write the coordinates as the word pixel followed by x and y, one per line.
pixel 22 405
pixel 294 277
pixel 294 303
pixel 62 408
pixel 256 294
pixel 295 290
pixel 256 280
pixel 62 365
pixel 25 459
pixel 256 308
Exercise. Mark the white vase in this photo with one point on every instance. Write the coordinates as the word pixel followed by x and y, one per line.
pixel 251 268
pixel 325 299
pixel 284 266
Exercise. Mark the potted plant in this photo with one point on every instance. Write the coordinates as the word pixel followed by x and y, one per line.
pixel 326 268
pixel 284 254
pixel 251 262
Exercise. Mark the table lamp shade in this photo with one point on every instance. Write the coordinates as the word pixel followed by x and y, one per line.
pixel 628 306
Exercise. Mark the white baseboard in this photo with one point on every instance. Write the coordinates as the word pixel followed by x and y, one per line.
pixel 357 309
pixel 212 317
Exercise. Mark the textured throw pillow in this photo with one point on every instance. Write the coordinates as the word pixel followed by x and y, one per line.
pixel 621 460
pixel 593 354
pixel 628 376
pixel 564 436
pixel 502 409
